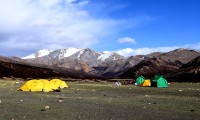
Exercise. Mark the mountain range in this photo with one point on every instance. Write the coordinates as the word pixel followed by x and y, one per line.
pixel 86 62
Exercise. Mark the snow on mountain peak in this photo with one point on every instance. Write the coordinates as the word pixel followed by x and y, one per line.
pixel 70 51
pixel 43 52
pixel 40 53
pixel 64 53
pixel 104 55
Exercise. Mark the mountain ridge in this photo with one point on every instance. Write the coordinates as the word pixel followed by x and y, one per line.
pixel 109 64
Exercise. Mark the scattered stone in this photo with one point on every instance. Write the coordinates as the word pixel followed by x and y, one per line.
pixel 41 98
pixel 180 90
pixel 0 101
pixel 149 103
pixel 146 95
pixel 21 100
pixel 118 84
pixel 58 96
pixel 17 82
pixel 60 100
pixel 135 83
pixel 46 107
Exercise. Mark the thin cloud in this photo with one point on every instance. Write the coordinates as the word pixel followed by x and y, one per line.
pixel 143 51
pixel 127 40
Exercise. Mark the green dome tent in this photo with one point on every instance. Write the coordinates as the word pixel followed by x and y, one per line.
pixel 159 81
pixel 140 80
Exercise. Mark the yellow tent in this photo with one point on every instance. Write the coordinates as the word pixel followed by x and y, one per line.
pixel 32 85
pixel 58 84
pixel 47 85
pixel 37 85
pixel 43 85
pixel 146 83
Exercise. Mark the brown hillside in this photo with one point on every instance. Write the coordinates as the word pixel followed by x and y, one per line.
pixel 151 67
pixel 18 69
pixel 190 72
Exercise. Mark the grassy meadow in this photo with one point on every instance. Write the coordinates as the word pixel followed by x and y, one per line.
pixel 101 101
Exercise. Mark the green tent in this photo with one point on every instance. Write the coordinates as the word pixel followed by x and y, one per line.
pixel 159 81
pixel 140 80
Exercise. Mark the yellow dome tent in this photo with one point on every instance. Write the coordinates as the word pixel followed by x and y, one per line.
pixel 58 84
pixel 146 83
pixel 36 85
pixel 32 85
pixel 47 86
pixel 43 85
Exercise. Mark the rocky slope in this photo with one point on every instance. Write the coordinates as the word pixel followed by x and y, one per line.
pixel 151 67
pixel 182 55
pixel 19 69
pixel 85 60
pixel 110 64
pixel 190 72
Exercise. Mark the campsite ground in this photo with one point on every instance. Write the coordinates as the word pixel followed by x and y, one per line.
pixel 101 100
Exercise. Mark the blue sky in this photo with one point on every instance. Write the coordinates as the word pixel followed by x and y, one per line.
pixel 128 27
pixel 161 22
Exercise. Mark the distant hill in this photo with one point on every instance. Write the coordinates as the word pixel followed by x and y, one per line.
pixel 151 67
pixel 19 69
pixel 190 72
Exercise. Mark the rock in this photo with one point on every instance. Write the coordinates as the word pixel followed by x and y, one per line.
pixel 180 90
pixel 146 95
pixel 46 107
pixel 60 100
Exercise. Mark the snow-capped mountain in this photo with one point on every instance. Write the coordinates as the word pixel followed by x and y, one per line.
pixel 40 53
pixel 74 58
pixel 106 63
pixel 75 53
